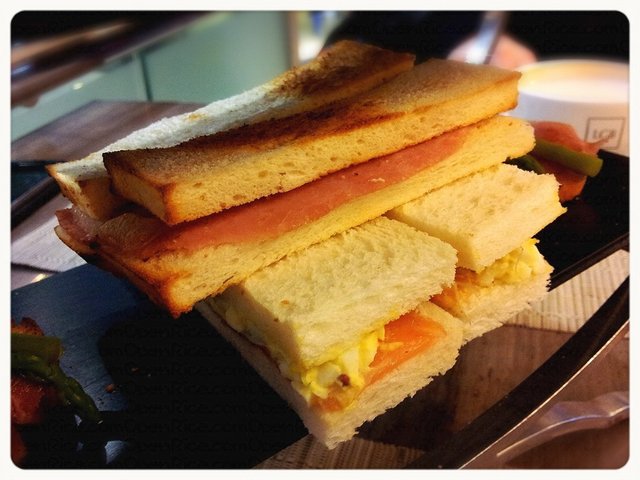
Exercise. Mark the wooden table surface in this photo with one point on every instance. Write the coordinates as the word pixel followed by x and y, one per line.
pixel 488 367
pixel 91 128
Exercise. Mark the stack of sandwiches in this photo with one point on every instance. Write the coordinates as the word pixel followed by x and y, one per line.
pixel 347 226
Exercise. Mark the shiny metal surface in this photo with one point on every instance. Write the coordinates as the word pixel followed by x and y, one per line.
pixel 567 417
pixel 491 28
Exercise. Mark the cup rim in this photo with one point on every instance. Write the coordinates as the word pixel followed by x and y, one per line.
pixel 525 89
pixel 556 61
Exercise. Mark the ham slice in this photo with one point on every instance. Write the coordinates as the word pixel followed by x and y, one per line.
pixel 272 216
pixel 78 225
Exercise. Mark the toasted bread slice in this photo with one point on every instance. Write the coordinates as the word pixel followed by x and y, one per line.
pixel 181 265
pixel 486 215
pixel 211 173
pixel 334 427
pixel 342 70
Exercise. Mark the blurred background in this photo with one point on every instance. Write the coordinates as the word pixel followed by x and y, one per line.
pixel 62 60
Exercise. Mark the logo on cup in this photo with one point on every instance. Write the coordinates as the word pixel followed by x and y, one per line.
pixel 611 129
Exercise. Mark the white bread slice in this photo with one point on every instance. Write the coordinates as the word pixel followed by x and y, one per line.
pixel 176 279
pixel 486 215
pixel 484 305
pixel 342 70
pixel 332 428
pixel 319 301
pixel 212 173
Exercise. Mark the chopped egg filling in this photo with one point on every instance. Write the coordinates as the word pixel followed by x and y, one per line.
pixel 347 370
pixel 344 372
pixel 516 266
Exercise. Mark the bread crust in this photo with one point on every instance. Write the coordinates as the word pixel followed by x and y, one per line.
pixel 185 277
pixel 495 211
pixel 214 172
pixel 342 70
pixel 332 428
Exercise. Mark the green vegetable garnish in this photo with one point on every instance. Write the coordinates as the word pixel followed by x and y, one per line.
pixel 527 162
pixel 48 348
pixel 583 163
pixel 37 356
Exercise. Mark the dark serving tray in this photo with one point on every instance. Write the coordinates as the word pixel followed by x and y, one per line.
pixel 176 395
pixel 595 225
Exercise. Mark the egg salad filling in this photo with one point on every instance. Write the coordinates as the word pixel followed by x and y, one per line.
pixel 345 372
pixel 342 377
pixel 517 266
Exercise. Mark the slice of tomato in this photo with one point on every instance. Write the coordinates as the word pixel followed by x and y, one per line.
pixel 571 183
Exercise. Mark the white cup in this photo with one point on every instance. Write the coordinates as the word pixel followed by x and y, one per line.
pixel 590 95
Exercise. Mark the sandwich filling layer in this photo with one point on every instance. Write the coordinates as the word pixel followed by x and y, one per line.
pixel 335 384
pixel 404 338
pixel 516 267
pixel 273 216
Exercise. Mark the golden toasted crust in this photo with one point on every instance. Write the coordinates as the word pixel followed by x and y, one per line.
pixel 156 291
pixel 342 70
pixel 214 172
pixel 86 184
